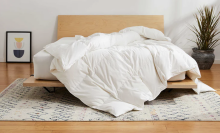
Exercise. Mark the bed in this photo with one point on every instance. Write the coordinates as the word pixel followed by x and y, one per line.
pixel 71 25
pixel 116 63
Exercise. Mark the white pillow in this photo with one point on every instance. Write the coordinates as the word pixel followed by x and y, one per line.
pixel 147 32
pixel 67 40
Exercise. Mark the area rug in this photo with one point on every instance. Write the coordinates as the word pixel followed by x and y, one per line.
pixel 18 103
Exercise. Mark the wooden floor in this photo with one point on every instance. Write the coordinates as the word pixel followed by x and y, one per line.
pixel 12 71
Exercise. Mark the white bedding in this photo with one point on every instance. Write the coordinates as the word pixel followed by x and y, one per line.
pixel 42 61
pixel 118 72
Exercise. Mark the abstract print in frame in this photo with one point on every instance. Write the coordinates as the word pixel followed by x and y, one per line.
pixel 18 46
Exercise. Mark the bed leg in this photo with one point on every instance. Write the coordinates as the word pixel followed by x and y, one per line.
pixel 49 90
pixel 170 90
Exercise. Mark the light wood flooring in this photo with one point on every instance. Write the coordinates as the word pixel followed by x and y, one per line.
pixel 11 71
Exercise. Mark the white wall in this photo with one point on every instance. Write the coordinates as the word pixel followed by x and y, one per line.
pixel 40 17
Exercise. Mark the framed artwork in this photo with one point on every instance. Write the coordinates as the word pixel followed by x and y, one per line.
pixel 18 46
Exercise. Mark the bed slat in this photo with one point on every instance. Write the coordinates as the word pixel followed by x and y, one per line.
pixel 32 82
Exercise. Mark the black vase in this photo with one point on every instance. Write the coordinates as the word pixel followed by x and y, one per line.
pixel 204 58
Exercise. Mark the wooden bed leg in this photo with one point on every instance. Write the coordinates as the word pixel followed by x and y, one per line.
pixel 49 90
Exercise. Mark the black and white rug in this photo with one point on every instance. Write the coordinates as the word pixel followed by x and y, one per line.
pixel 36 104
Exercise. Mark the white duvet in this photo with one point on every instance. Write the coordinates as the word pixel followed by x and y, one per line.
pixel 118 72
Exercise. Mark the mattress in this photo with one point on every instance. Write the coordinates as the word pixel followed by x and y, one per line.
pixel 42 61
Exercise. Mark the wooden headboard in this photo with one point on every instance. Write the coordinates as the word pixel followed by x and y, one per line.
pixel 71 25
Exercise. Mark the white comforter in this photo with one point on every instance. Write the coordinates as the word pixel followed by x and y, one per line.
pixel 118 72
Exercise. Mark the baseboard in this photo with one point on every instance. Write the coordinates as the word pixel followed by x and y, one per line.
pixel 217 62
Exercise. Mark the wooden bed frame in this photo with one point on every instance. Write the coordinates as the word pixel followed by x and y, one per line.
pixel 71 25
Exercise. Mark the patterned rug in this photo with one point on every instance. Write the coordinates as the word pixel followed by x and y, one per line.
pixel 36 104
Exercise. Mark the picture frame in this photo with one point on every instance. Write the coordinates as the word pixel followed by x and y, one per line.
pixel 18 46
